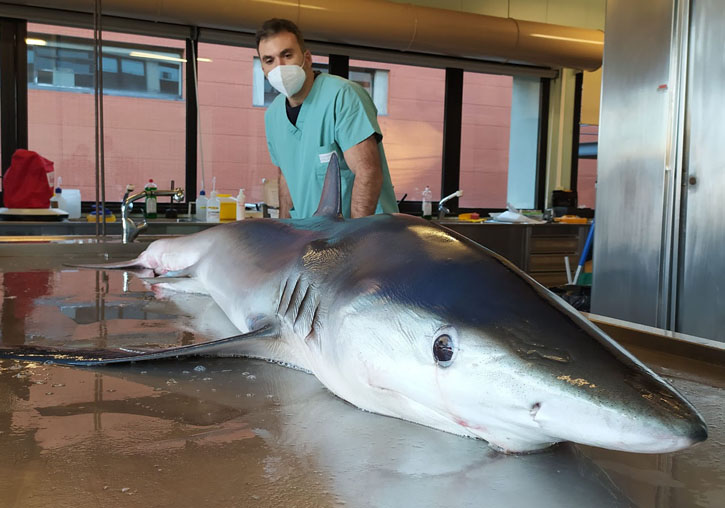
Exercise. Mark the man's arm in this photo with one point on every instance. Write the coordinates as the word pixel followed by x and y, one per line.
pixel 363 159
pixel 285 200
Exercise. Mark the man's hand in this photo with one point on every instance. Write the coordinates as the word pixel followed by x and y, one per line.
pixel 285 200
pixel 363 159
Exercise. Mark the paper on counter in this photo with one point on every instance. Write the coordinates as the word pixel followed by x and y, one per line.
pixel 513 216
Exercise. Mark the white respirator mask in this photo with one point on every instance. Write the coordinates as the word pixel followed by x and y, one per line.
pixel 287 79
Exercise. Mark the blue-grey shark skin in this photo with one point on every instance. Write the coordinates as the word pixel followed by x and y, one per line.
pixel 360 304
pixel 341 293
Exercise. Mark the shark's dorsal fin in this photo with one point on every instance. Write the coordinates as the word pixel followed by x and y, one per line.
pixel 331 199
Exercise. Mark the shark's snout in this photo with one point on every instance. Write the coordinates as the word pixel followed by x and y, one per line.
pixel 637 427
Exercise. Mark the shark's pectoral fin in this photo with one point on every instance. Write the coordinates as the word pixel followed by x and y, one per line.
pixel 132 266
pixel 221 347
pixel 177 284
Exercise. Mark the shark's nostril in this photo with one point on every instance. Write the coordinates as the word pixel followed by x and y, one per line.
pixel 535 409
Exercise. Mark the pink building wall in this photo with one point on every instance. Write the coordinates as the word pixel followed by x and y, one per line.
pixel 485 140
pixel 145 137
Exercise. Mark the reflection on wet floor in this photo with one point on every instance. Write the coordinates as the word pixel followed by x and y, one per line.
pixel 239 432
pixel 245 431
pixel 98 309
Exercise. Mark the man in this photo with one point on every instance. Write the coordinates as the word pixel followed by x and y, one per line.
pixel 316 115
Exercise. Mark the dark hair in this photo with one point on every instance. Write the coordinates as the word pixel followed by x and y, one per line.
pixel 273 26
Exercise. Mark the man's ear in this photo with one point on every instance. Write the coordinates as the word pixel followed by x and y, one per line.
pixel 308 58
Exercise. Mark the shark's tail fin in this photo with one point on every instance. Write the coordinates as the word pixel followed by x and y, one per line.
pixel 331 200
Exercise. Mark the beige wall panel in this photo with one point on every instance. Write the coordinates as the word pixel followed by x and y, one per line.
pixel 581 13
pixel 591 97
pixel 453 5
pixel 497 8
pixel 530 10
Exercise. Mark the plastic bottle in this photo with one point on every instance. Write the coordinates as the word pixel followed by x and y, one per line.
pixel 201 202
pixel 150 190
pixel 213 207
pixel 427 205
pixel 72 202
pixel 241 202
pixel 55 200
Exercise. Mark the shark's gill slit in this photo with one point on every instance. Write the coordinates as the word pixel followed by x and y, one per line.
pixel 313 323
pixel 293 295
pixel 300 309
pixel 282 295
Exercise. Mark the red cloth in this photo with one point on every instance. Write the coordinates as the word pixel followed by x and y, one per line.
pixel 25 184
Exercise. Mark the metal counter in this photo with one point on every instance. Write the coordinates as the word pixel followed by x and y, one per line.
pixel 85 228
pixel 538 249
pixel 239 432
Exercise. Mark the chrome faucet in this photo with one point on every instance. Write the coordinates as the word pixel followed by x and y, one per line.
pixel 130 229
pixel 442 210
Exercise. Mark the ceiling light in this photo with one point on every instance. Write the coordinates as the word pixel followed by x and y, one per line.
pixel 567 39
pixel 156 56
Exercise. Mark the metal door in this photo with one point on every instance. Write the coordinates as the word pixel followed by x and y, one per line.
pixel 700 302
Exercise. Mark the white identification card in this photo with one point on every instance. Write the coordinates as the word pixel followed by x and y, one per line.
pixel 325 157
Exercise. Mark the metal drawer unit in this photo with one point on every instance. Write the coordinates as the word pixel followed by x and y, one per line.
pixel 538 249
pixel 548 245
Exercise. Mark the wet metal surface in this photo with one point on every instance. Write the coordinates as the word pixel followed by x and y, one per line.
pixel 239 432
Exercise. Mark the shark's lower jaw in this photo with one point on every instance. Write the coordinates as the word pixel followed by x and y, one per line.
pixel 497 435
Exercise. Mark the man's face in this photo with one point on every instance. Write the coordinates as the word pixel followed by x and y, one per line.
pixel 282 49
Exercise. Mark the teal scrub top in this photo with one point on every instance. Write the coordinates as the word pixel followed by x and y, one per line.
pixel 336 115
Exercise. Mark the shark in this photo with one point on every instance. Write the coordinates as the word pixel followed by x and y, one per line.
pixel 405 318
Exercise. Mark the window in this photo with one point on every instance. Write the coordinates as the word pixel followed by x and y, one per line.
pixel 231 132
pixel 65 63
pixel 412 126
pixel 145 132
pixel 587 168
pixel 485 132
pixel 374 81
pixel 499 141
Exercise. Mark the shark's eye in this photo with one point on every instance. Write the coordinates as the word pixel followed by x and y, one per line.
pixel 443 350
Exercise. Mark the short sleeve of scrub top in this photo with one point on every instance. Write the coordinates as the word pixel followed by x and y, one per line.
pixel 356 117
pixel 270 147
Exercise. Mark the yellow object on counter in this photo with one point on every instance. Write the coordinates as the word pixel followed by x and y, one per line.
pixel 227 207
pixel 571 219
pixel 470 217
pixel 91 217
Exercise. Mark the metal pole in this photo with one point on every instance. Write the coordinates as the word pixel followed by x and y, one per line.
pixel 98 115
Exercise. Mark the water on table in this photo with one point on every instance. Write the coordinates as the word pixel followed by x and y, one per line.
pixel 239 432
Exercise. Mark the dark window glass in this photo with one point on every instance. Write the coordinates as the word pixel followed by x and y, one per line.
pixel 132 67
pixel 110 64
pixel 65 63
